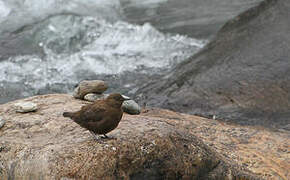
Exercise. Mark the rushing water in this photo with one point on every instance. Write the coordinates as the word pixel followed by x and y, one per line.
pixel 49 46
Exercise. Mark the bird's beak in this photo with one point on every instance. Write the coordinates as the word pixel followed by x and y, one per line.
pixel 126 98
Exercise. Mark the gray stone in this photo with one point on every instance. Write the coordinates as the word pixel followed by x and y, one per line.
pixel 93 97
pixel 2 122
pixel 131 107
pixel 24 107
pixel 86 87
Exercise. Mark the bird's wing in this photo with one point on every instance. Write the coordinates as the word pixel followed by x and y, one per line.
pixel 92 113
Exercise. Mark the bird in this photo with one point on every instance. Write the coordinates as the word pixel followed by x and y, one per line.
pixel 100 117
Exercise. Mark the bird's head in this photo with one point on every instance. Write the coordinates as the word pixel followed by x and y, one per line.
pixel 117 99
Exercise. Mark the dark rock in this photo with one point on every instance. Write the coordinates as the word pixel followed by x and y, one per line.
pixel 243 75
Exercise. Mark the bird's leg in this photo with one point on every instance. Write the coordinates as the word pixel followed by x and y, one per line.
pixel 94 135
pixel 105 136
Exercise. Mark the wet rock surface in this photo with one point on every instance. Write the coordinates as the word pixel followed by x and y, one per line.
pixel 241 76
pixel 44 145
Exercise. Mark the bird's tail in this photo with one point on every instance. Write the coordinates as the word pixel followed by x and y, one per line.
pixel 67 114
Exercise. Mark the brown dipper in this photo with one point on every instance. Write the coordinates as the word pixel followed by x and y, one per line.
pixel 100 117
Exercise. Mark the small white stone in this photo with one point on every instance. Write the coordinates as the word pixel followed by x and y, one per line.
pixel 93 97
pixel 24 107
pixel 2 122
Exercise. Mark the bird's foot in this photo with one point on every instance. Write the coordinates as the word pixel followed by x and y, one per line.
pixel 107 137
pixel 101 138
pixel 97 138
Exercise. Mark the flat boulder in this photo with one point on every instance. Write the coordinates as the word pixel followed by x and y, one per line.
pixel 45 145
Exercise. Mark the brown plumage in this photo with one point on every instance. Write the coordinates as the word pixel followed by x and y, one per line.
pixel 100 117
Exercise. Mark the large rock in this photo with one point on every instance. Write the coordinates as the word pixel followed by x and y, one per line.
pixel 241 76
pixel 45 145
pixel 86 87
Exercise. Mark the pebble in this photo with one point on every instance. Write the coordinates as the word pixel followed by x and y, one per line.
pixel 131 107
pixel 2 122
pixel 24 107
pixel 93 97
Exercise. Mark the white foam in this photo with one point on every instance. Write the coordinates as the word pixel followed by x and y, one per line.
pixel 100 48
pixel 4 11
pixel 14 13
